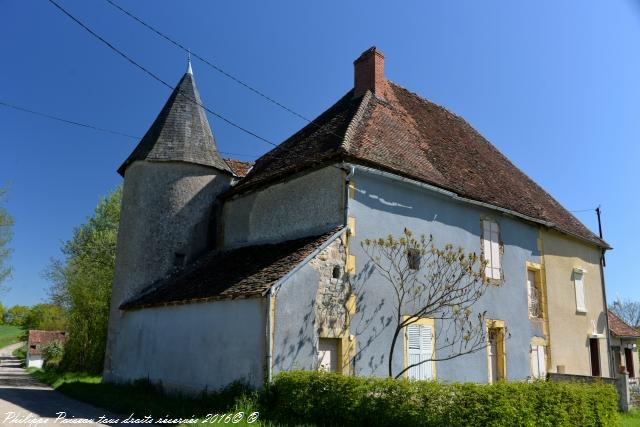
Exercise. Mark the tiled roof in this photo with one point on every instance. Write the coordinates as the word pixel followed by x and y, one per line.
pixel 620 329
pixel 38 338
pixel 412 137
pixel 181 132
pixel 239 168
pixel 239 273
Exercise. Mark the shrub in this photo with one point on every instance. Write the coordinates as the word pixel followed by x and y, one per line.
pixel 334 399
pixel 52 353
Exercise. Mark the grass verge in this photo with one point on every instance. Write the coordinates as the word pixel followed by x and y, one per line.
pixel 142 398
pixel 630 419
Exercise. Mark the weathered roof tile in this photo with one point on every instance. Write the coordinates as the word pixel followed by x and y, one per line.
pixel 239 273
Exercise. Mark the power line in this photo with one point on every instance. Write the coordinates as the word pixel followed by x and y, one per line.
pixel 71 122
pixel 210 64
pixel 583 210
pixel 157 78
pixel 96 128
pixel 154 76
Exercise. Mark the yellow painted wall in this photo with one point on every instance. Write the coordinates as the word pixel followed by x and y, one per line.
pixel 569 330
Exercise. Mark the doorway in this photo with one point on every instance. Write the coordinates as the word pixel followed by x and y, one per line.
pixel 594 349
pixel 628 359
pixel 495 353
pixel 328 354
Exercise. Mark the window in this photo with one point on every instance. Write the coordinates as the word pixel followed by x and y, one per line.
pixel 179 259
pixel 491 249
pixel 420 342
pixel 328 354
pixel 413 258
pixel 538 362
pixel 535 297
pixel 336 272
pixel 578 276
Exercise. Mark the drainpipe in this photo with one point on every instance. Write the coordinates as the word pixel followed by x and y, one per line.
pixel 612 371
pixel 351 170
pixel 269 340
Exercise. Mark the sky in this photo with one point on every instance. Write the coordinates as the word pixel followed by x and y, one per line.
pixel 555 85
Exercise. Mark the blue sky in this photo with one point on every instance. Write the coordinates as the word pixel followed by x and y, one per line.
pixel 554 85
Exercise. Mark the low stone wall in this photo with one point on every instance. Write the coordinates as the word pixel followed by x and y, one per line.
pixel 626 397
pixel 552 376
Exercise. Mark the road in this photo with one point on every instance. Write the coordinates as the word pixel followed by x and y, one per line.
pixel 24 401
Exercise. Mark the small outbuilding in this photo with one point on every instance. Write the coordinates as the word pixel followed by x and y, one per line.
pixel 624 346
pixel 35 342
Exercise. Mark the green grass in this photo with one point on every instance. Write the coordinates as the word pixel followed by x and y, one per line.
pixel 630 419
pixel 10 335
pixel 144 399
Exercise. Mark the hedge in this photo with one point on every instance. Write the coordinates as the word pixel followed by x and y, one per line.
pixel 334 399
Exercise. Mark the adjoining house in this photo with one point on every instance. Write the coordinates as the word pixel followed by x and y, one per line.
pixel 35 342
pixel 624 345
pixel 228 272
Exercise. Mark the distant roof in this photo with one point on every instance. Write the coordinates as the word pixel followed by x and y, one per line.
pixel 410 136
pixel 238 167
pixel 245 272
pixel 38 338
pixel 621 329
pixel 181 132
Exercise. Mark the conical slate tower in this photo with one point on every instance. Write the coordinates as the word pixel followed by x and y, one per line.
pixel 171 183
pixel 180 133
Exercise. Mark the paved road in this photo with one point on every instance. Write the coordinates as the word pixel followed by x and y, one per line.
pixel 26 402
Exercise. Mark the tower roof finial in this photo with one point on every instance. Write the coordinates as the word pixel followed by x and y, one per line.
pixel 189 69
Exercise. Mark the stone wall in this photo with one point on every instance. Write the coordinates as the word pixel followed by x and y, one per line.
pixel 331 314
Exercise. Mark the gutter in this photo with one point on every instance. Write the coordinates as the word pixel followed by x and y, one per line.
pixel 273 291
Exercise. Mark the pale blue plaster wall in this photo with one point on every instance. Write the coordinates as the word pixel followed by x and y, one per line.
pixel 383 206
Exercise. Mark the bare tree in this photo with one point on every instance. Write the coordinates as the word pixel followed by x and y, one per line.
pixel 428 282
pixel 627 310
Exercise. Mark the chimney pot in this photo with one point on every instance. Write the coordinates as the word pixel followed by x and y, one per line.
pixel 369 73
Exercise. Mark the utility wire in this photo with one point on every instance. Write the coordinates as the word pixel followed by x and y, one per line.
pixel 96 128
pixel 71 122
pixel 583 210
pixel 210 64
pixel 154 76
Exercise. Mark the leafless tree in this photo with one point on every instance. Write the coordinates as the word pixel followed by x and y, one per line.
pixel 429 282
pixel 627 310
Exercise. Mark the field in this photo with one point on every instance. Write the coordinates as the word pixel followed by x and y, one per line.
pixel 9 335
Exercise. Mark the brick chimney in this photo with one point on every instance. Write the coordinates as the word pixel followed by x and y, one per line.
pixel 369 73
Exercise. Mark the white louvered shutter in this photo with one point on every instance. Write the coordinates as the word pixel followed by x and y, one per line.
pixel 542 362
pixel 491 248
pixel 420 349
pixel 495 250
pixel 580 300
pixel 535 370
pixel 538 362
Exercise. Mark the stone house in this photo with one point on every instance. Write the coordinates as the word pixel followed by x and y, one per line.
pixel 226 273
